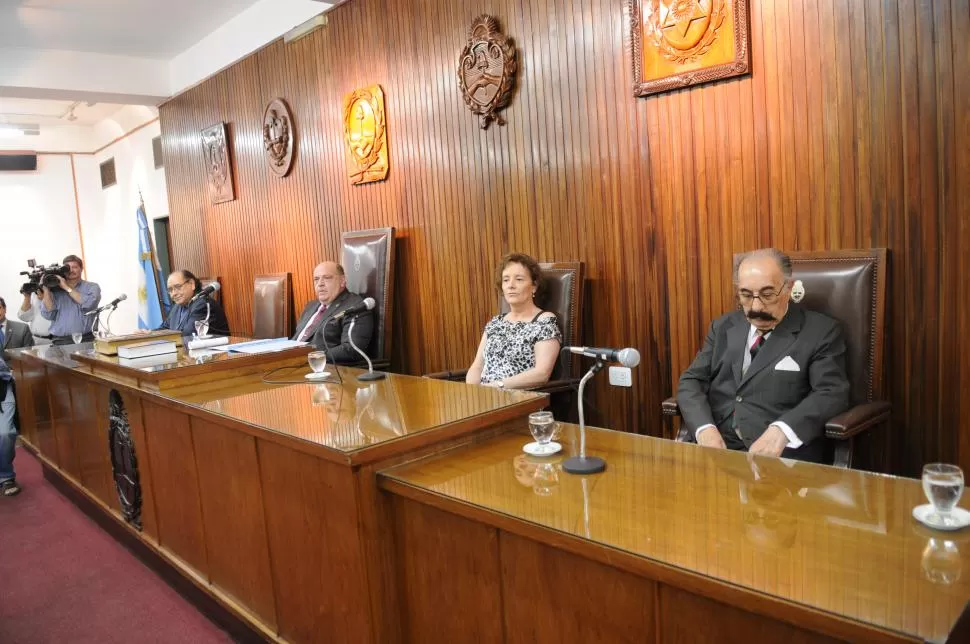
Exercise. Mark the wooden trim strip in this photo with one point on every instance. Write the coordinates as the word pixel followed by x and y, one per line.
pixel 77 214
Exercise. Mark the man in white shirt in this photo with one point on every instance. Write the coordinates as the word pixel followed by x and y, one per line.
pixel 770 374
pixel 29 312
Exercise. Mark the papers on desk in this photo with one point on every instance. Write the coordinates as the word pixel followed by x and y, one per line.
pixel 262 346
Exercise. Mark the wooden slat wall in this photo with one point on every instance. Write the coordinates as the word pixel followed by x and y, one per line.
pixel 852 131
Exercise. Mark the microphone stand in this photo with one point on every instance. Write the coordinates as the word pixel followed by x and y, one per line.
pixel 583 464
pixel 371 375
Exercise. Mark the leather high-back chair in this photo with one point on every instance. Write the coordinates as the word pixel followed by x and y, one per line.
pixel 206 281
pixel 564 282
pixel 850 286
pixel 368 261
pixel 272 306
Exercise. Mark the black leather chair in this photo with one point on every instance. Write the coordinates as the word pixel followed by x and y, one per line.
pixel 368 261
pixel 565 283
pixel 850 286
pixel 272 306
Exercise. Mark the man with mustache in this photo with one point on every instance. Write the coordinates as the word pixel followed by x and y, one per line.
pixel 769 375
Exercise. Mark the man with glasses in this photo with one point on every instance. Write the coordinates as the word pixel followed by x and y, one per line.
pixel 332 297
pixel 182 287
pixel 769 375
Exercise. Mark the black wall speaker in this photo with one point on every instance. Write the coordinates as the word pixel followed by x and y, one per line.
pixel 18 162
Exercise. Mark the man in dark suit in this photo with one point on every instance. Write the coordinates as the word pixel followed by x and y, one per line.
pixel 315 326
pixel 770 375
pixel 13 335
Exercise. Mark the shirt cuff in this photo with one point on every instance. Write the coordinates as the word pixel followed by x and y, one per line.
pixel 794 442
pixel 702 428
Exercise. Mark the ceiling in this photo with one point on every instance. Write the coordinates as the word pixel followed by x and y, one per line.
pixel 40 112
pixel 138 28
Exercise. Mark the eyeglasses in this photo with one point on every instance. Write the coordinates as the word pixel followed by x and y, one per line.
pixel 766 295
pixel 172 289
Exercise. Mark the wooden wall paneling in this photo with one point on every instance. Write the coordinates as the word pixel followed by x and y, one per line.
pixel 175 484
pixel 233 517
pixel 450 576
pixel 555 596
pixel 315 556
pixel 849 132
pixel 685 618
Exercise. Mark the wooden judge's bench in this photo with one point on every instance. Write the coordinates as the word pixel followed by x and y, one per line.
pixel 404 510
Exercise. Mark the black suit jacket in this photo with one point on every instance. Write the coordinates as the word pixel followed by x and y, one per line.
pixel 180 319
pixel 17 336
pixel 712 390
pixel 334 338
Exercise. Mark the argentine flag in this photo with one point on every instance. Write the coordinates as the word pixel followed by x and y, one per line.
pixel 150 296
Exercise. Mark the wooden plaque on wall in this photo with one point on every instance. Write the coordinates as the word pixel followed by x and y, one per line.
pixel 218 168
pixel 365 132
pixel 679 43
pixel 486 70
pixel 278 135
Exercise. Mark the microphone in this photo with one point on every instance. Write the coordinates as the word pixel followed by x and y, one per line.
pixel 110 305
pixel 206 292
pixel 627 357
pixel 366 305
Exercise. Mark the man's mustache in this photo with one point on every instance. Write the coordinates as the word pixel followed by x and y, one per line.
pixel 761 315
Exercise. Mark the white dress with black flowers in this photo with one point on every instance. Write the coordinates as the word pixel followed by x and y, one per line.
pixel 510 346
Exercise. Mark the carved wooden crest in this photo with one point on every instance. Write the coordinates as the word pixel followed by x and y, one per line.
pixel 365 132
pixel 486 70
pixel 278 135
pixel 678 43
pixel 124 464
pixel 218 170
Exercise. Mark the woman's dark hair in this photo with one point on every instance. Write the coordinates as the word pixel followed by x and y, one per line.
pixel 531 265
pixel 188 275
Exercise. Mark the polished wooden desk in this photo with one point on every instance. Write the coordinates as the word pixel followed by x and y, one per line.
pixel 672 543
pixel 264 496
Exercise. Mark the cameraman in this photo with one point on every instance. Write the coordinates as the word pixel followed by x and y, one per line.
pixel 66 304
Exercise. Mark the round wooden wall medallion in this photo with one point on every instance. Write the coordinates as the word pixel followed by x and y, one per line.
pixel 278 135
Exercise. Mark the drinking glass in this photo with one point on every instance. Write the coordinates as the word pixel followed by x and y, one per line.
pixel 546 479
pixel 77 337
pixel 943 486
pixel 941 561
pixel 543 426
pixel 201 328
pixel 317 360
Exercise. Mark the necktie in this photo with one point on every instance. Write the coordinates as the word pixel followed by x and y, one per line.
pixel 1 336
pixel 756 346
pixel 309 325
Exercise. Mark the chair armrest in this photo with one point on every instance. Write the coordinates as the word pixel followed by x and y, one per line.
pixel 670 407
pixel 858 419
pixel 455 376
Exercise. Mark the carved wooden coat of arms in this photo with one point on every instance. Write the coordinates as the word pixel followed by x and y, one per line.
pixel 679 43
pixel 365 133
pixel 278 135
pixel 486 70
pixel 218 170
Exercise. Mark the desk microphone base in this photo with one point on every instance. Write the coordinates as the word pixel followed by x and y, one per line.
pixel 588 465
pixel 371 375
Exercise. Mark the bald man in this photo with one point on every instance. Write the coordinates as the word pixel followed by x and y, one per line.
pixel 770 374
pixel 316 325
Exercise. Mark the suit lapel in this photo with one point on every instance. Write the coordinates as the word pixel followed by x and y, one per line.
pixel 737 343
pixel 777 343
pixel 332 309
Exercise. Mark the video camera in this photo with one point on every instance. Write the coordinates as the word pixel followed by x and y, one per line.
pixel 39 276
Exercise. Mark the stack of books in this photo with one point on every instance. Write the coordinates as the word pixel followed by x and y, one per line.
pixel 147 348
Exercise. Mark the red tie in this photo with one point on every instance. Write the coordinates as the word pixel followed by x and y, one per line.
pixel 311 323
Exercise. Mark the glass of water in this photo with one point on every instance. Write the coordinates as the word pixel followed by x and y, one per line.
pixel 943 486
pixel 317 360
pixel 77 337
pixel 542 426
pixel 201 328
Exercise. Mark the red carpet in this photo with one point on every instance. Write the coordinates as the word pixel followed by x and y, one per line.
pixel 64 580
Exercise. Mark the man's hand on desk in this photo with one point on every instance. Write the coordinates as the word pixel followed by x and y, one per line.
pixel 772 443
pixel 710 437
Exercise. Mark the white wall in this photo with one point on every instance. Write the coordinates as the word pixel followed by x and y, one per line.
pixel 38 220
pixel 108 218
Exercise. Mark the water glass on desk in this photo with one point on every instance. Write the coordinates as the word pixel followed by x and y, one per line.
pixel 317 360
pixel 543 427
pixel 943 486
pixel 77 337
pixel 201 328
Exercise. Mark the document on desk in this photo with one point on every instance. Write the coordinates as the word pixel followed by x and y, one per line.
pixel 264 346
